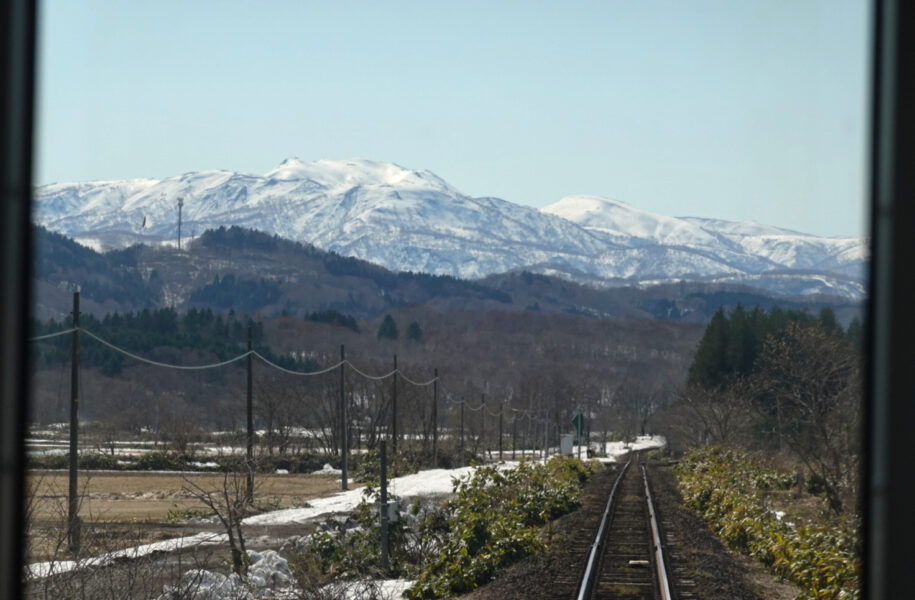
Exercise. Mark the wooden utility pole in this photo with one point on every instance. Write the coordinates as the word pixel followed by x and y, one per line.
pixel 73 522
pixel 384 507
pixel 249 405
pixel 546 437
pixel 501 407
pixel 530 441
pixel 394 411
pixel 542 446
pixel 462 430
pixel 483 425
pixel 344 446
pixel 514 433
pixel 435 418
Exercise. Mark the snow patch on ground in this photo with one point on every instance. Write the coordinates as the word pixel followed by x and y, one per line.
pixel 269 577
pixel 46 569
pixel 328 470
pixel 204 465
pixel 424 483
pixel 614 450
pixel 383 589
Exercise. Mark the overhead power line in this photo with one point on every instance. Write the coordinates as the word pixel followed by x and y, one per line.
pixel 372 377
pixel 51 335
pixel 526 413
pixel 264 359
pixel 162 364
pixel 417 383
pixel 300 373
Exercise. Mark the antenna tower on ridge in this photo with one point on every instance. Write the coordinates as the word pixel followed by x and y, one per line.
pixel 180 206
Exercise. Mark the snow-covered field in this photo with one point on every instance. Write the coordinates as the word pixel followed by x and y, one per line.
pixel 429 483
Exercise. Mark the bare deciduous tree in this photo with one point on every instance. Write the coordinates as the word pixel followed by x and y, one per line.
pixel 229 502
pixel 809 385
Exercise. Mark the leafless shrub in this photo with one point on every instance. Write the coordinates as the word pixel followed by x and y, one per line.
pixel 230 503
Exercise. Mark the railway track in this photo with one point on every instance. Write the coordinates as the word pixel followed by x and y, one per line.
pixel 626 558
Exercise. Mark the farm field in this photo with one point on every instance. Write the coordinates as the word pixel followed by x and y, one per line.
pixel 137 496
pixel 123 508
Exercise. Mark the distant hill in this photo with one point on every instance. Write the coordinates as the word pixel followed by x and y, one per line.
pixel 252 272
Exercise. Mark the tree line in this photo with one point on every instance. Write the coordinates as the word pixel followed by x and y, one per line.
pixel 782 382
pixel 201 331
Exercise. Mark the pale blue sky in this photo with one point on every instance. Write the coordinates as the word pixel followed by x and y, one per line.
pixel 752 110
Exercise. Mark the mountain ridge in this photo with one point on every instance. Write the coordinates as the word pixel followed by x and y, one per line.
pixel 414 220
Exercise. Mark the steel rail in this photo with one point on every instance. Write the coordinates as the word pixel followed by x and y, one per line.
pixel 593 565
pixel 660 569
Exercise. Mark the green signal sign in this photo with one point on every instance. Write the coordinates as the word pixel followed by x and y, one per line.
pixel 579 422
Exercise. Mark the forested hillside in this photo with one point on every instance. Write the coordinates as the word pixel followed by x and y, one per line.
pixel 197 333
pixel 251 272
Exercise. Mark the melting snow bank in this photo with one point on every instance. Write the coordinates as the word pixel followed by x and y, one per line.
pixel 269 577
pixel 431 482
pixel 46 569
pixel 372 589
pixel 614 450
pixel 424 483
pixel 327 470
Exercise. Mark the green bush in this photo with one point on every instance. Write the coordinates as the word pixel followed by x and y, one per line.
pixel 48 461
pixel 99 462
pixel 86 461
pixel 160 460
pixel 722 486
pixel 367 467
pixel 493 521
pixel 306 463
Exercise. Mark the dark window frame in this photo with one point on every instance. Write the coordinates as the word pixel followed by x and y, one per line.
pixel 889 546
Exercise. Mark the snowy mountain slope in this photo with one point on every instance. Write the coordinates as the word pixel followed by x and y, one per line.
pixel 790 248
pixel 751 247
pixel 414 220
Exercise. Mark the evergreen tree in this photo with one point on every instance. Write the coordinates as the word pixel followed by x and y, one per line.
pixel 414 332
pixel 731 343
pixel 388 329
pixel 709 368
pixel 855 333
pixel 827 318
pixel 740 343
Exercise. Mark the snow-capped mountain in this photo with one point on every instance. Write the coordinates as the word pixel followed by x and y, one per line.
pixel 415 221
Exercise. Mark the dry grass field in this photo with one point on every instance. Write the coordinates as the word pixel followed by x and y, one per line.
pixel 121 509
pixel 131 496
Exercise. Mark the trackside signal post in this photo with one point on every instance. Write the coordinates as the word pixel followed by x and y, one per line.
pixel 578 421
